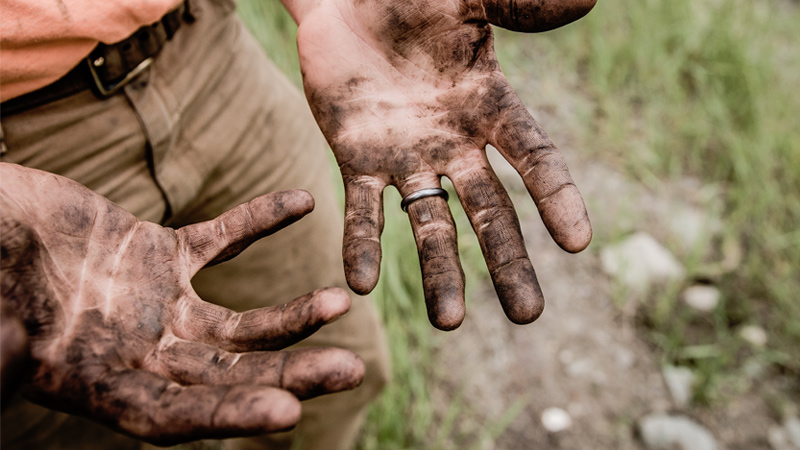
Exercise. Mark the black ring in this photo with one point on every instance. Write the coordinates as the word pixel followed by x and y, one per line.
pixel 422 193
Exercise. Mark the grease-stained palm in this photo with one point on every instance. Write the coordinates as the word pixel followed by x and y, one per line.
pixel 116 333
pixel 409 91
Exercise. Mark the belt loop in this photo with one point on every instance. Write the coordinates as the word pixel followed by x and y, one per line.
pixel 188 15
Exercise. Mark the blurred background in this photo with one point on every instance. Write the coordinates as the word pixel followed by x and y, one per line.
pixel 681 322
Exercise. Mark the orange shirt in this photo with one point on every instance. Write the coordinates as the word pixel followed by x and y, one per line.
pixel 42 40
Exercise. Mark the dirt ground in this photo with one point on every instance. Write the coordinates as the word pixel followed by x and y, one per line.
pixel 584 354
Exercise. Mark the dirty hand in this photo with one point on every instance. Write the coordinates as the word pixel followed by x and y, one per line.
pixel 116 333
pixel 409 91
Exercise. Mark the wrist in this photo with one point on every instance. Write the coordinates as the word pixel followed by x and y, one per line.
pixel 298 9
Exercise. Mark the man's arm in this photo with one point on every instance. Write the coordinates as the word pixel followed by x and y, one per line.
pixel 407 92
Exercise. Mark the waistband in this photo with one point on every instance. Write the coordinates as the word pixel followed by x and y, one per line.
pixel 109 67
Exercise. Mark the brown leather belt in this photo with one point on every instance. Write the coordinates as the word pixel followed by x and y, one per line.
pixel 109 67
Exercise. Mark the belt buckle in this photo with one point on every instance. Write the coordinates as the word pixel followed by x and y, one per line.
pixel 107 91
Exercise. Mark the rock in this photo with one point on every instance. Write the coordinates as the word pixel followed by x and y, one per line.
pixel 556 419
pixel 701 297
pixel 753 334
pixel 778 439
pixel 662 431
pixel 679 381
pixel 639 261
pixel 693 228
pixel 624 358
pixel 792 426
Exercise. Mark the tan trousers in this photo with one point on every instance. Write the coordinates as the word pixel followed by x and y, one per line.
pixel 211 125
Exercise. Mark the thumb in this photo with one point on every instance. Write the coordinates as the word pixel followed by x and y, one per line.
pixel 220 239
pixel 534 15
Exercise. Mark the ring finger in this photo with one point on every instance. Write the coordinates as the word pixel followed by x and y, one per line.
pixel 437 244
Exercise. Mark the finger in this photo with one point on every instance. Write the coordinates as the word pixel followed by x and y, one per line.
pixel 437 245
pixel 306 373
pixel 528 148
pixel 363 224
pixel 530 15
pixel 221 239
pixel 496 225
pixel 269 328
pixel 163 412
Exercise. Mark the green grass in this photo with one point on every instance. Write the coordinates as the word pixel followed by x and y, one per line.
pixel 706 89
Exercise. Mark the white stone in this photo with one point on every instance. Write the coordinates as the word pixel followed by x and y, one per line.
pixel 753 334
pixel 566 356
pixel 556 419
pixel 679 381
pixel 639 261
pixel 692 227
pixel 624 358
pixel 661 432
pixel 701 297
pixel 778 439
pixel 792 426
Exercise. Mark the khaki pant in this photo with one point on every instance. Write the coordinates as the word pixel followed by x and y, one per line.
pixel 210 125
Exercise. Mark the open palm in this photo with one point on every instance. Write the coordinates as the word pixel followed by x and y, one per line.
pixel 409 91
pixel 117 334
